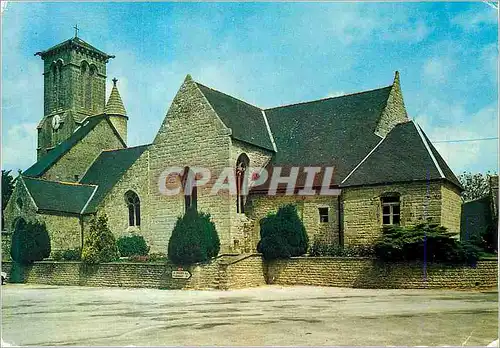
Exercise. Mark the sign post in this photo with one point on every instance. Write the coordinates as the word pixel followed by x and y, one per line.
pixel 181 274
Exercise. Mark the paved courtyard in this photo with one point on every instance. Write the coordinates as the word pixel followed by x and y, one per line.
pixel 271 315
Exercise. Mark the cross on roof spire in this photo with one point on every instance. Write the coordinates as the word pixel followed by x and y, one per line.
pixel 115 80
pixel 76 30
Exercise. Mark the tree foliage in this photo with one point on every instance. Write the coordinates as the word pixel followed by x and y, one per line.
pixel 30 242
pixel 132 246
pixel 475 185
pixel 194 239
pixel 7 189
pixel 100 244
pixel 423 242
pixel 282 235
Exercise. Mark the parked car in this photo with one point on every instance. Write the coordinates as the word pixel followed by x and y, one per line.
pixel 4 277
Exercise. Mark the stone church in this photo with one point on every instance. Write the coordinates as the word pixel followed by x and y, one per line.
pixel 386 171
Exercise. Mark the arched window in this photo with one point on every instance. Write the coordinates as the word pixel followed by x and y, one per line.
pixel 241 167
pixel 190 190
pixel 83 80
pixel 90 87
pixel 55 78
pixel 134 208
pixel 60 89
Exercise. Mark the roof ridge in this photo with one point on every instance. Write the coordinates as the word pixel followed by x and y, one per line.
pixel 429 151
pixel 126 148
pixel 328 98
pixel 58 181
pixel 230 96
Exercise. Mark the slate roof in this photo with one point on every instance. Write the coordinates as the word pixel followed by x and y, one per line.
pixel 51 157
pixel 401 156
pixel 107 169
pixel 246 121
pixel 114 106
pixel 448 173
pixel 44 163
pixel 73 41
pixel 335 131
pixel 58 196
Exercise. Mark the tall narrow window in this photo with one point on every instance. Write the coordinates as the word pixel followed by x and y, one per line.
pixel 134 208
pixel 391 210
pixel 55 77
pixel 241 167
pixel 60 89
pixel 83 81
pixel 190 190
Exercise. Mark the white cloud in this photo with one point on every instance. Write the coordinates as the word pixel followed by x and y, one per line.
pixel 476 19
pixel 437 69
pixel 464 156
pixel 335 94
pixel 19 145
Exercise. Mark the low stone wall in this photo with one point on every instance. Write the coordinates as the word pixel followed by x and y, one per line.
pixel 217 274
pixel 243 271
pixel 370 274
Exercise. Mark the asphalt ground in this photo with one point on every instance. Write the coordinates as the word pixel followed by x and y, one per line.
pixel 270 315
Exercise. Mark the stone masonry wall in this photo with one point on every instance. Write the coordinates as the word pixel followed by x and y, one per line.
pixel 216 274
pixel 242 236
pixel 367 273
pixel 251 270
pixel 259 205
pixel 191 135
pixel 136 178
pixel 64 230
pixel 394 111
pixel 79 158
pixel 451 207
pixel 362 209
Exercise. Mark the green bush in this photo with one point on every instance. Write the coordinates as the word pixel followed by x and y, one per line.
pixel 30 242
pixel 194 239
pixel 319 248
pixel 100 244
pixel 423 242
pixel 132 245
pixel 282 235
pixel 67 255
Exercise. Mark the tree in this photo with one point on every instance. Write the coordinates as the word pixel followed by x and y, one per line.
pixel 7 189
pixel 475 185
pixel 283 234
pixel 100 243
pixel 30 242
pixel 194 239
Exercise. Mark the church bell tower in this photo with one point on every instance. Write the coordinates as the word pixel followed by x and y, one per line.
pixel 74 88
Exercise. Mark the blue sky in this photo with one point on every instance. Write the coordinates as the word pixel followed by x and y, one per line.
pixel 268 54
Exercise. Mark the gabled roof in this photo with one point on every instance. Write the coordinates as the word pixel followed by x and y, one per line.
pixel 107 170
pixel 246 121
pixel 59 196
pixel 114 106
pixel 336 131
pixel 44 163
pixel 403 155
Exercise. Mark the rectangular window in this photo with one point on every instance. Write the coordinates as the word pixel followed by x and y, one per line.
pixel 323 214
pixel 390 211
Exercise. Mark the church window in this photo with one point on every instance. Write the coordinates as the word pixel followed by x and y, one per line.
pixel 83 80
pixel 60 89
pixel 391 210
pixel 55 77
pixel 190 190
pixel 19 203
pixel 134 208
pixel 323 214
pixel 241 166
